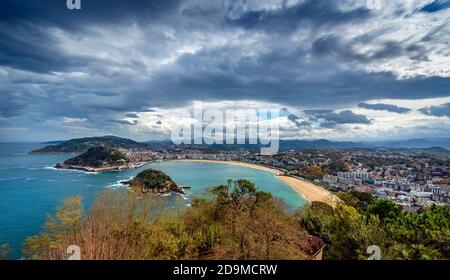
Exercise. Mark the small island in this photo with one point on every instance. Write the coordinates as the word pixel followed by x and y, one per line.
pixel 99 159
pixel 153 181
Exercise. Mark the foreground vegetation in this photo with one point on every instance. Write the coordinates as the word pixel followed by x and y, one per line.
pixel 362 221
pixel 237 221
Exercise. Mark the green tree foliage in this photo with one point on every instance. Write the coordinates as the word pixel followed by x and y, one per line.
pixel 81 145
pixel 151 180
pixel 361 221
pixel 313 172
pixel 345 231
pixel 337 166
pixel 99 157
pixel 358 200
pixel 58 232
pixel 424 235
pixel 386 210
pixel 235 221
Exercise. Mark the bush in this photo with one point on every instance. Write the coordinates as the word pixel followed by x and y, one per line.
pixel 361 221
pixel 237 222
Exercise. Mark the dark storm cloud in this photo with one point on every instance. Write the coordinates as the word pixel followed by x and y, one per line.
pixel 286 78
pixel 298 122
pixel 11 106
pixel 98 12
pixel 436 6
pixel 384 107
pixel 317 112
pixel 125 122
pixel 334 47
pixel 27 45
pixel 438 111
pixel 345 117
pixel 331 119
pixel 316 12
pixel 22 47
pixel 132 115
pixel 129 56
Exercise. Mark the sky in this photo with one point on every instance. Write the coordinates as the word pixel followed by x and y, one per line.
pixel 340 70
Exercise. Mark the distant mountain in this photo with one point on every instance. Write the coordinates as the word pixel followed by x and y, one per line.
pixel 415 143
pixel 319 144
pixel 284 145
pixel 443 143
pixel 81 145
pixel 159 142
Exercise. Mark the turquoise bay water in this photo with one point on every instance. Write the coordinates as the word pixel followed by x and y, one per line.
pixel 30 188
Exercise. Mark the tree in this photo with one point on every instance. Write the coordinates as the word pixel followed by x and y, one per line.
pixel 338 166
pixel 58 233
pixel 386 210
pixel 424 235
pixel 236 221
pixel 313 172
pixel 346 232
pixel 362 221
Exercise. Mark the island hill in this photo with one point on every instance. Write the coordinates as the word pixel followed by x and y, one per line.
pixel 99 159
pixel 81 145
pixel 153 182
pixel 106 159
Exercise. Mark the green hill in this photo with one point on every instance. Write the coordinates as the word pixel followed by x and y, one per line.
pixel 98 157
pixel 81 145
pixel 153 181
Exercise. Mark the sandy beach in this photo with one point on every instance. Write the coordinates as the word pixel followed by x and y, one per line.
pixel 307 190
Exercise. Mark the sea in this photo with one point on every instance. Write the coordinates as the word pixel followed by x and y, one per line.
pixel 31 188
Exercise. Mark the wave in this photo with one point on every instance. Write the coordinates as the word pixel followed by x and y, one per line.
pixel 69 170
pixel 9 179
pixel 116 185
pixel 50 168
pixel 184 196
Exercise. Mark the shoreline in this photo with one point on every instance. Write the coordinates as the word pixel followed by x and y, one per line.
pixel 99 169
pixel 309 191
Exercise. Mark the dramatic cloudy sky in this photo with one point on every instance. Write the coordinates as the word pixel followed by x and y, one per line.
pixel 344 70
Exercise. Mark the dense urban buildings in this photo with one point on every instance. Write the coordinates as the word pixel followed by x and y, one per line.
pixel 413 178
